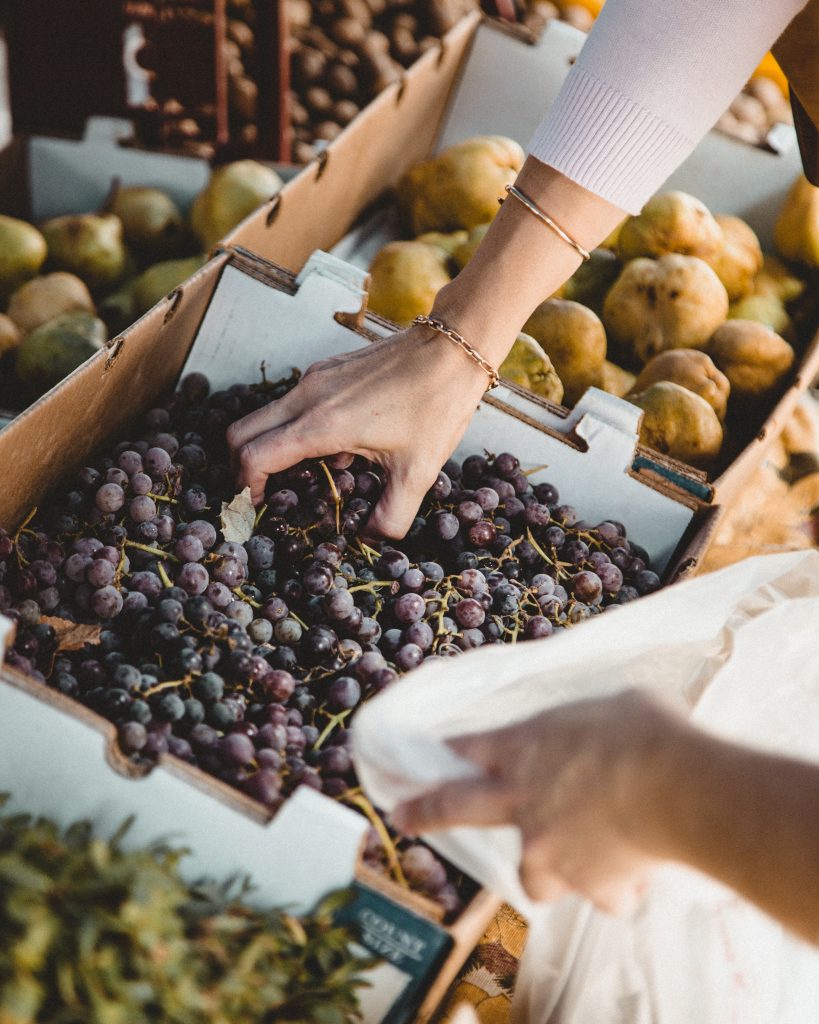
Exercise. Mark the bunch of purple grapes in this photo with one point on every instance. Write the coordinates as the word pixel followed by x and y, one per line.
pixel 249 659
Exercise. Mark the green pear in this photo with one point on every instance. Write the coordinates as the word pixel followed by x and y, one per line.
pixel 155 282
pixel 57 347
pixel 151 221
pixel 40 300
pixel 233 192
pixel 22 252
pixel 89 245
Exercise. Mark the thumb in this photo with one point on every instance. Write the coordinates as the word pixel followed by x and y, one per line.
pixel 276 450
pixel 393 515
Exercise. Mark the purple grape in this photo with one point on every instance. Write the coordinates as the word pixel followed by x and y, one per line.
pixel 265 786
pixel 142 509
pixel 392 564
pixel 420 634
pixel 229 571
pixel 537 626
pixel 203 531
pixel 189 549
pixel 469 613
pixel 344 692
pixel 470 638
pixel 339 604
pixel 130 462
pixel 408 657
pixel 193 578
pixel 646 582
pixel 115 475
pixel 140 483
pixel 413 579
pixel 106 602
pixel 236 749
pixel 483 533
pixel 100 573
pixel 445 525
pixel 157 461
pixel 239 611
pixel 610 577
pixel 110 498
pixel 287 631
pixel 409 608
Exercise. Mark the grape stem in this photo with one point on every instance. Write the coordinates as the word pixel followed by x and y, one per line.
pixel 333 723
pixel 363 804
pixel 163 497
pixel 535 469
pixel 21 558
pixel 244 597
pixel 165 686
pixel 334 491
pixel 365 549
pixel 259 516
pixel 372 585
pixel 166 580
pixel 151 550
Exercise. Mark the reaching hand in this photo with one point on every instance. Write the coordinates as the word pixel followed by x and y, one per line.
pixel 583 782
pixel 403 403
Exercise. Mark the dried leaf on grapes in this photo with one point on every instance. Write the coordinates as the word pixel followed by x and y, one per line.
pixel 72 636
pixel 238 518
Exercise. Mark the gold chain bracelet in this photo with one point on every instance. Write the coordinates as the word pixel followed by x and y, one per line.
pixel 473 353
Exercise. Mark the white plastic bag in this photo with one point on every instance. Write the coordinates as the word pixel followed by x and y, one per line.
pixel 740 650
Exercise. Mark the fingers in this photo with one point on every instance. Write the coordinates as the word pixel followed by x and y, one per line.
pixel 398 505
pixel 537 874
pixel 276 450
pixel 270 416
pixel 471 802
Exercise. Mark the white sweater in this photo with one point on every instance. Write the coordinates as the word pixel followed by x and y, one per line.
pixel 652 78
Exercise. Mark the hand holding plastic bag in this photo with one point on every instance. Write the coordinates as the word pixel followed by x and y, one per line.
pixel 739 647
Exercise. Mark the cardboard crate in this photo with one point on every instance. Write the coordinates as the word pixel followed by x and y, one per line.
pixel 59 758
pixel 487 79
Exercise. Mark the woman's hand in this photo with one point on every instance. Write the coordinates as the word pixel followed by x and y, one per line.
pixel 403 403
pixel 587 783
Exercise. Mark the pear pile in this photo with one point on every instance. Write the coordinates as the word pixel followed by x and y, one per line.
pixel 72 281
pixel 678 310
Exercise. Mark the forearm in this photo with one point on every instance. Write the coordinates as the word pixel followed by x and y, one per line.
pixel 748 819
pixel 521 261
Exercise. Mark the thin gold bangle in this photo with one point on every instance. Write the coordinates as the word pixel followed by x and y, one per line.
pixel 547 220
pixel 473 353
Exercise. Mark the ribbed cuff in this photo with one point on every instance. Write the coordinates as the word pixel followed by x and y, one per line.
pixel 608 144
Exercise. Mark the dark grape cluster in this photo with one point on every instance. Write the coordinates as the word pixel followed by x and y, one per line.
pixel 249 659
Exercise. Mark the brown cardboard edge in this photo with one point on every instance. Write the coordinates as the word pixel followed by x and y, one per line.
pixel 466 933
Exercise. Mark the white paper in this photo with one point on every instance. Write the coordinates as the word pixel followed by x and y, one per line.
pixel 738 649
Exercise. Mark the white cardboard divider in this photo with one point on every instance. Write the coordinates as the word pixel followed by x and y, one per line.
pixel 68 176
pixel 71 176
pixel 248 322
pixel 55 762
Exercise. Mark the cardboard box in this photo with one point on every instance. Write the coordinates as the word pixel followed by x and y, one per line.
pixel 59 758
pixel 487 79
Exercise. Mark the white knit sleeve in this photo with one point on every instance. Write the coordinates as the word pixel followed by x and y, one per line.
pixel 650 81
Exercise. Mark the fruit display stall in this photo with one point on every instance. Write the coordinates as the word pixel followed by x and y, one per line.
pixel 196 663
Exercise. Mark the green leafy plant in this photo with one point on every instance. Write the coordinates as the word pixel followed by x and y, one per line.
pixel 92 933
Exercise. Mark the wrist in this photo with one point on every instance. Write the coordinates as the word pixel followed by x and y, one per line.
pixel 492 335
pixel 661 792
